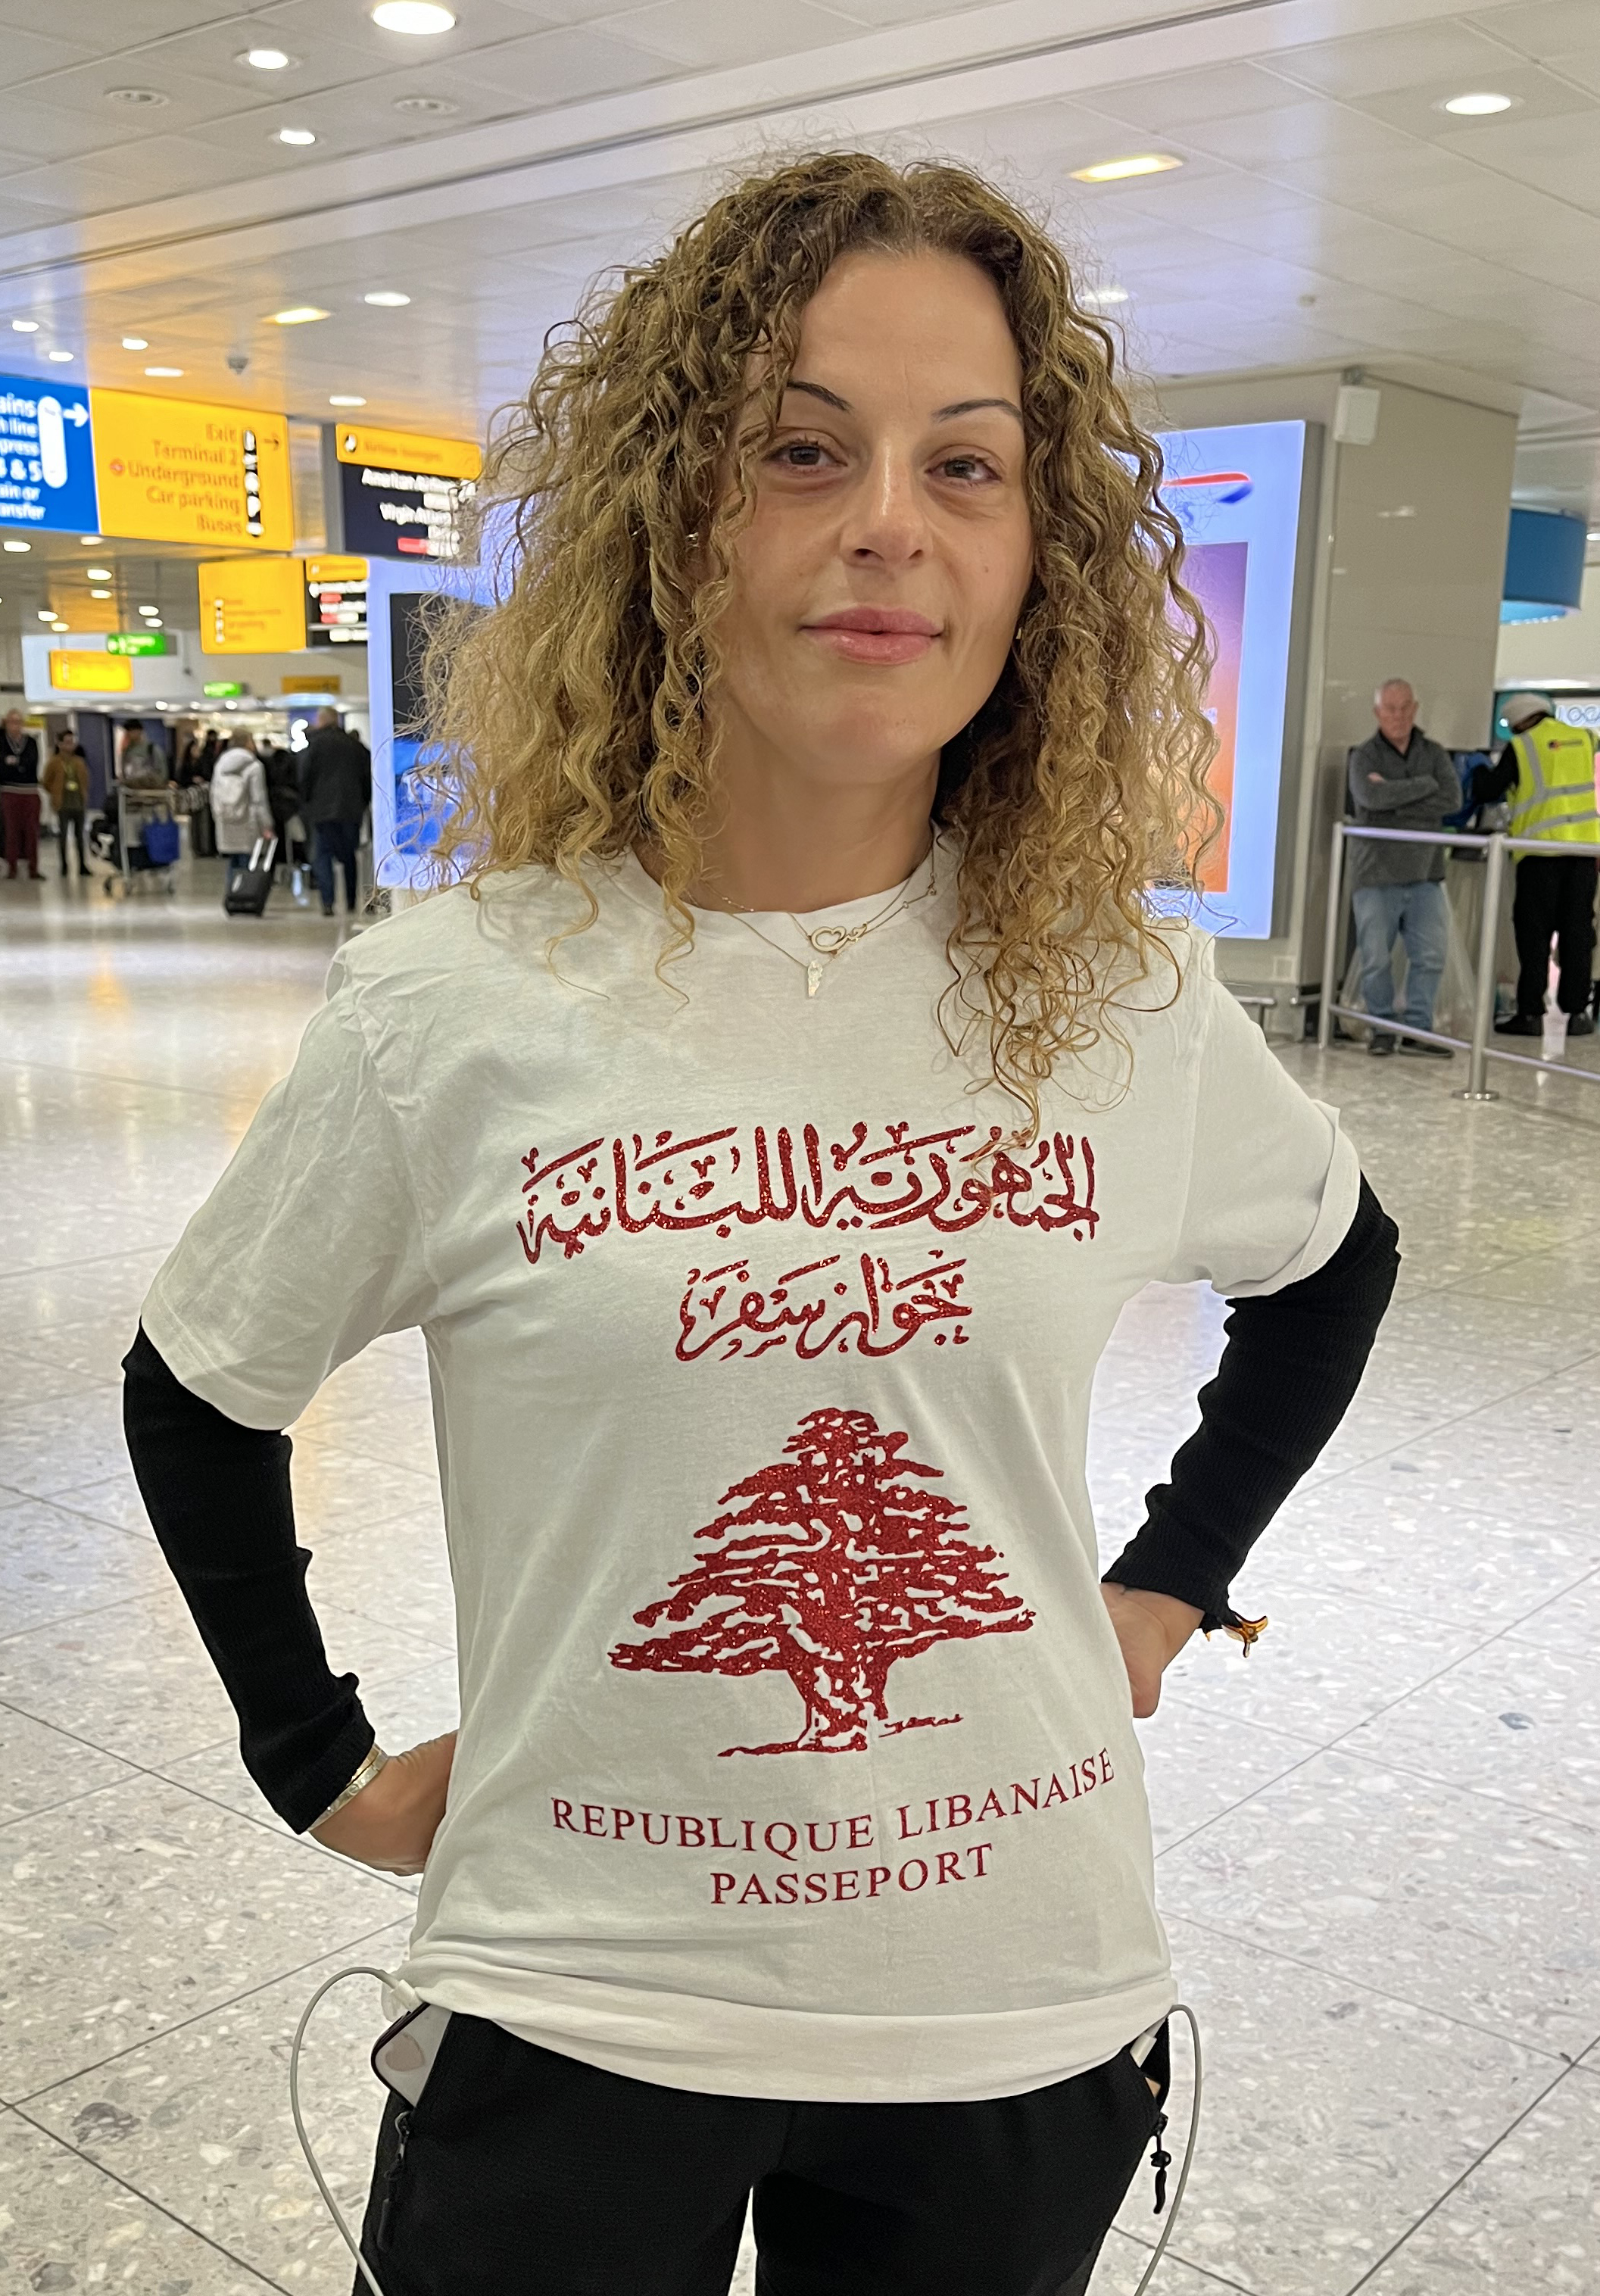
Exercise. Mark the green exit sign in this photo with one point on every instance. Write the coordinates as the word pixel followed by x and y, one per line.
pixel 137 641
pixel 224 689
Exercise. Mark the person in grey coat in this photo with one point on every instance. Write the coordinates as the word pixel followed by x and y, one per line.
pixel 1399 779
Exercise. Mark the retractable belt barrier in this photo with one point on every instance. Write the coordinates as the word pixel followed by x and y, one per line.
pixel 1478 1047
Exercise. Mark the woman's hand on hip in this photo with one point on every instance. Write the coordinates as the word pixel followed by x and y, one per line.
pixel 391 1823
pixel 1150 1630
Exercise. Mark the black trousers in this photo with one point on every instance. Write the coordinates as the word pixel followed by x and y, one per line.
pixel 524 2173
pixel 71 824
pixel 335 840
pixel 1555 896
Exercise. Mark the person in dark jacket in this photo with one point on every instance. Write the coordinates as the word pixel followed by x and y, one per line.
pixel 20 794
pixel 336 788
pixel 1399 779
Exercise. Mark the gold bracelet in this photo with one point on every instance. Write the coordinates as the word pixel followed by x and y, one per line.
pixel 364 1777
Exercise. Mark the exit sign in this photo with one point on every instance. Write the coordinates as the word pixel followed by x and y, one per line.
pixel 223 689
pixel 137 641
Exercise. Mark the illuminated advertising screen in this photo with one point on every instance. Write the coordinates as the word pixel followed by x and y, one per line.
pixel 1236 491
pixel 400 600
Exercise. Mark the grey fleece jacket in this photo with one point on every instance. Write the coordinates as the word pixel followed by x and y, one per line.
pixel 1416 791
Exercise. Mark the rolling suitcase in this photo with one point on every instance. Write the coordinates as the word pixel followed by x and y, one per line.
pixel 246 896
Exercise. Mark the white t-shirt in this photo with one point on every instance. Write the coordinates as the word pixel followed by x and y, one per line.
pixel 797 1757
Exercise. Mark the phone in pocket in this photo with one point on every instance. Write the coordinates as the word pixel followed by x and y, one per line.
pixel 404 2055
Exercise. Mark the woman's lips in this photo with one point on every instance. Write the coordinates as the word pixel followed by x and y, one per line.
pixel 879 634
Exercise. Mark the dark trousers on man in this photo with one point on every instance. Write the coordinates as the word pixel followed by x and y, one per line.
pixel 336 841
pixel 70 824
pixel 19 811
pixel 1554 896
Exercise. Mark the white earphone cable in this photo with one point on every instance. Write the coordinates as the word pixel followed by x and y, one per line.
pixel 364 1969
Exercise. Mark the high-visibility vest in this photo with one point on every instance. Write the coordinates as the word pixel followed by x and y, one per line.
pixel 1554 793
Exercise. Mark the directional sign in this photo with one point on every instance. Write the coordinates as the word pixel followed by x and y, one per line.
pixel 181 470
pixel 47 457
pixel 396 493
pixel 251 605
pixel 82 671
pixel 137 641
pixel 335 601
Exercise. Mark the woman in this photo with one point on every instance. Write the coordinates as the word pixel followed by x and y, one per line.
pixel 765 1135
pixel 240 810
pixel 66 782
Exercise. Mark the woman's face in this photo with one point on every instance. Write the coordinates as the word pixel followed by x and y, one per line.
pixel 877 586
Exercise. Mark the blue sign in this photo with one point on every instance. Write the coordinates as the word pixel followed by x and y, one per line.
pixel 47 457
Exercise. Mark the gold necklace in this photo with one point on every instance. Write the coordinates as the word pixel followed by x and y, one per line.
pixel 829 942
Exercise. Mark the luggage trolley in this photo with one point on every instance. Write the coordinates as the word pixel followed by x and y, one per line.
pixel 146 841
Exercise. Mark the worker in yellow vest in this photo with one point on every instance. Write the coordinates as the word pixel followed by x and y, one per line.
pixel 1546 774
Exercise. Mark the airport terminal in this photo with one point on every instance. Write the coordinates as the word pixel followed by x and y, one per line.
pixel 974 632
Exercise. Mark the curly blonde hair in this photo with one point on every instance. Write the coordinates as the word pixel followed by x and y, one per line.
pixel 569 721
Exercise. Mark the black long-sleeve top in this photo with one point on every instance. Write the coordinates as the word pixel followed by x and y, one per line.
pixel 219 1498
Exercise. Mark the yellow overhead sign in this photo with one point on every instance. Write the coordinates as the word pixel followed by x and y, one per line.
pixel 336 569
pixel 74 669
pixel 253 606
pixel 309 686
pixel 407 450
pixel 177 470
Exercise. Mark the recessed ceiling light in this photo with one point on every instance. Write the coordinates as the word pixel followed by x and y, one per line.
pixel 46 613
pixel 58 358
pixel 91 541
pixel 100 594
pixel 267 59
pixel 294 135
pixel 1098 297
pixel 164 370
pixel 98 573
pixel 17 545
pixel 147 610
pixel 387 298
pixel 1113 171
pixel 145 95
pixel 299 315
pixel 134 343
pixel 343 398
pixel 432 104
pixel 419 16
pixel 1477 107
pixel 25 326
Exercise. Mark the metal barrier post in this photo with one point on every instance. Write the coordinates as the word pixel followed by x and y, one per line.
pixel 1330 940
pixel 1484 1003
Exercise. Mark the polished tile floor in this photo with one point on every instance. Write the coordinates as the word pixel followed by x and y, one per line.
pixel 1378 1837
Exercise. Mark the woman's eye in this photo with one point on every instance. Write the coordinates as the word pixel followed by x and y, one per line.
pixel 801 455
pixel 966 469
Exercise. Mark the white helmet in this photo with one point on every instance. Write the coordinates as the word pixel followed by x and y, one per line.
pixel 1520 710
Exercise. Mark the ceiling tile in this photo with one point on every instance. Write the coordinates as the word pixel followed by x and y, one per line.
pixel 1299 130
pixel 704 34
pixel 1538 95
pixel 1375 63
pixel 1550 31
pixel 565 66
pixel 1221 91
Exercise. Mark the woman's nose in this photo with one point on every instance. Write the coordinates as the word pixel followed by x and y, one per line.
pixel 887 519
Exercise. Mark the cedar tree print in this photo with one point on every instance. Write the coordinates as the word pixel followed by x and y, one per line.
pixel 829 1566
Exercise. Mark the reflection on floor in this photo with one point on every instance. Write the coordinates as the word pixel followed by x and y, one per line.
pixel 1377 1837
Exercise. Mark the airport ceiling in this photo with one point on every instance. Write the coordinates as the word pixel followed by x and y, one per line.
pixel 1327 211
